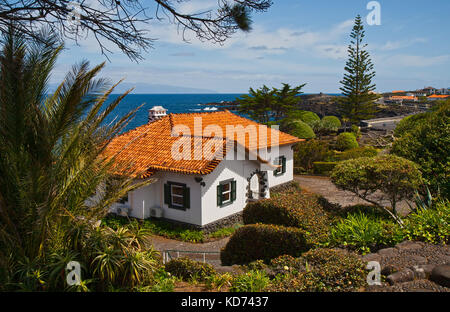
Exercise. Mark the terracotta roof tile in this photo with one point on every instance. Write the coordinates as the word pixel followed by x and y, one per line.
pixel 148 148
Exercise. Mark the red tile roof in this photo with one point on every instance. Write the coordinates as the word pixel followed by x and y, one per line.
pixel 148 148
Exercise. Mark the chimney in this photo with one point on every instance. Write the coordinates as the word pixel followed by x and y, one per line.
pixel 156 112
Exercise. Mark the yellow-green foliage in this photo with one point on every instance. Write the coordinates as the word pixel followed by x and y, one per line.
pixel 295 209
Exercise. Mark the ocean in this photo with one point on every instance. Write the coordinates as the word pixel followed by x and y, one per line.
pixel 174 103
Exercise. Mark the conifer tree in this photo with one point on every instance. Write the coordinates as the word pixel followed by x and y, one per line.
pixel 357 87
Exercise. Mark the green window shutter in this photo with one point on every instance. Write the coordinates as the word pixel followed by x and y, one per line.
pixel 283 166
pixel 187 197
pixel 219 195
pixel 233 191
pixel 167 194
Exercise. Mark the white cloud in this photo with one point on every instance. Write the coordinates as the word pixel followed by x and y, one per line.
pixel 400 44
pixel 404 60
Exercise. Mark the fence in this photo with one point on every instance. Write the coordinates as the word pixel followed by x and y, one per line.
pixel 205 256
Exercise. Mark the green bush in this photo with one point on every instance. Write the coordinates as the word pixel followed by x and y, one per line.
pixel 429 225
pixel 324 167
pixel 302 130
pixel 427 143
pixel 188 269
pixel 366 151
pixel 309 117
pixel 331 123
pixel 325 270
pixel 361 232
pixel 346 141
pixel 297 209
pixel 265 242
pixel 396 177
pixel 252 281
pixel 286 264
pixel 408 123
pixel 307 152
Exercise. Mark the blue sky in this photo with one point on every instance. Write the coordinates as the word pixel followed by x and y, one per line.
pixel 296 41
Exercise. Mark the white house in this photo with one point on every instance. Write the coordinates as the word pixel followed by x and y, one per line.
pixel 207 166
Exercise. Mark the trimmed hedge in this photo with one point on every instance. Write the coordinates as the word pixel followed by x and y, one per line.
pixel 324 167
pixel 367 151
pixel 263 242
pixel 322 270
pixel 331 123
pixel 309 117
pixel 346 141
pixel 293 209
pixel 186 269
pixel 302 130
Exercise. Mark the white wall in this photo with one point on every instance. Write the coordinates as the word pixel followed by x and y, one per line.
pixel 142 199
pixel 203 205
pixel 239 170
pixel 286 151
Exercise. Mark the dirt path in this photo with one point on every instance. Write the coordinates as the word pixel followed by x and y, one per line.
pixel 323 186
pixel 162 243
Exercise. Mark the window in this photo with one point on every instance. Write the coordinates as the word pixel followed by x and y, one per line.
pixel 280 161
pixel 177 195
pixel 226 192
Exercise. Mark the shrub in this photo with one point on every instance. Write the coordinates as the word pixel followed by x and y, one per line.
pixel 325 270
pixel 331 123
pixel 324 167
pixel 397 178
pixel 309 117
pixel 310 151
pixel 429 225
pixel 252 281
pixel 408 123
pixel 188 269
pixel 265 242
pixel 366 151
pixel 219 281
pixel 364 233
pixel 356 131
pixel 285 188
pixel 298 210
pixel 346 141
pixel 302 130
pixel 286 264
pixel 427 143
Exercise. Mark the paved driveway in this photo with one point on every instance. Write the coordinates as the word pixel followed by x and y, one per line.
pixel 323 186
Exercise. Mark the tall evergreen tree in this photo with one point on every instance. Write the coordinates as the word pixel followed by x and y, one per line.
pixel 357 87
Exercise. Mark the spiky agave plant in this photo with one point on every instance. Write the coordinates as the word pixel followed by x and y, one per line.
pixel 51 163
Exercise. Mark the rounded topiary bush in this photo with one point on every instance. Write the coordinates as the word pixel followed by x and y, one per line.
pixel 346 141
pixel 331 123
pixel 186 269
pixel 309 117
pixel 295 209
pixel 302 130
pixel 263 242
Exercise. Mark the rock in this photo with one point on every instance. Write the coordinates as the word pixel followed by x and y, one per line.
pixel 417 259
pixel 371 257
pixel 389 269
pixel 387 252
pixel 409 245
pixel 441 275
pixel 423 271
pixel 402 276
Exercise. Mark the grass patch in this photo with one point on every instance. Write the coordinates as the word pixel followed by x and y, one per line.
pixel 167 229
